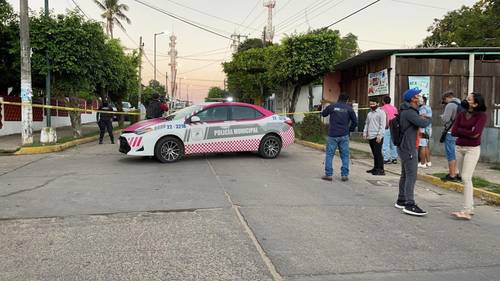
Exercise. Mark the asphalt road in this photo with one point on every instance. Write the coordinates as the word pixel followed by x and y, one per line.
pixel 91 213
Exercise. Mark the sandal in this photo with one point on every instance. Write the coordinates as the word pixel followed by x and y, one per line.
pixel 461 215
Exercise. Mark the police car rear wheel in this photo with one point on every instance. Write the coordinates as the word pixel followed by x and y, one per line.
pixel 169 150
pixel 270 147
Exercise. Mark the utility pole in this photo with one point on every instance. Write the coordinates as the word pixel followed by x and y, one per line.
pixel 47 78
pixel 156 34
pixel 180 91
pixel 166 85
pixel 141 45
pixel 236 40
pixel 26 91
pixel 269 31
pixel 173 65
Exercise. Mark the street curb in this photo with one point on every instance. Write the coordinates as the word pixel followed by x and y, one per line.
pixel 54 148
pixel 487 196
pixel 57 147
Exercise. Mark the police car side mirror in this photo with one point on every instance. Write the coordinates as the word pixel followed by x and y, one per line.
pixel 195 119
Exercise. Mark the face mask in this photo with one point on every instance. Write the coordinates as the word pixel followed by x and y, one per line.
pixel 373 107
pixel 465 104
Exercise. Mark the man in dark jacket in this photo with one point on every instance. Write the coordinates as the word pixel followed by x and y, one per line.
pixel 104 120
pixel 342 121
pixel 410 122
pixel 154 109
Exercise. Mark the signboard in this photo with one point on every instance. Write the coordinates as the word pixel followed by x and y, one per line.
pixel 421 82
pixel 378 83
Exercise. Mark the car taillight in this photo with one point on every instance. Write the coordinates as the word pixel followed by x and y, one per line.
pixel 289 122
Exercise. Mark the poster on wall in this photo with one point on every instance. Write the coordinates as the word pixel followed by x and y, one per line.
pixel 378 83
pixel 421 82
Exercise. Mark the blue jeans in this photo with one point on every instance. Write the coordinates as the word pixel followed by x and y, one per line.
pixel 343 144
pixel 449 147
pixel 390 151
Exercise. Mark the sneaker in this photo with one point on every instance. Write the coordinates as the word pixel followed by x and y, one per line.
pixel 458 178
pixel 370 171
pixel 449 178
pixel 327 178
pixel 387 162
pixel 395 161
pixel 344 178
pixel 414 210
pixel 429 164
pixel 378 173
pixel 100 142
pixel 112 142
pixel 399 205
pixel 420 165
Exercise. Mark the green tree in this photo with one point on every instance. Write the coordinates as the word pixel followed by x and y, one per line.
pixel 153 87
pixel 216 93
pixel 113 12
pixel 348 46
pixel 9 45
pixel 476 26
pixel 250 43
pixel 305 58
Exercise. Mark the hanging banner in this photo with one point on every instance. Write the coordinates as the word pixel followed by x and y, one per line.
pixel 421 82
pixel 378 83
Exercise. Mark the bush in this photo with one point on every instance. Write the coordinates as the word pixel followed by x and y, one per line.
pixel 312 128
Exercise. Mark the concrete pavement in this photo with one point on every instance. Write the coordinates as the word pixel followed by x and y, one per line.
pixel 92 213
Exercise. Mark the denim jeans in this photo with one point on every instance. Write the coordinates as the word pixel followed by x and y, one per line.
pixel 343 144
pixel 449 147
pixel 389 149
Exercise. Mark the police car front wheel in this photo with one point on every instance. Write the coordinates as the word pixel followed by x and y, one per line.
pixel 169 150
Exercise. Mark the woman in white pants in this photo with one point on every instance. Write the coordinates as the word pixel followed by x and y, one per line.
pixel 468 128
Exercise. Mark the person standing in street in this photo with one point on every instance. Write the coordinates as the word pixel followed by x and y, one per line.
pixel 410 121
pixel 390 151
pixel 468 128
pixel 374 131
pixel 104 121
pixel 425 135
pixel 154 109
pixel 343 120
pixel 450 112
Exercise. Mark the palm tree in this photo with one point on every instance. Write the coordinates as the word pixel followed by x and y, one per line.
pixel 113 13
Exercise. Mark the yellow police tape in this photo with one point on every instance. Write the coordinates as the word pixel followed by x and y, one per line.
pixel 67 108
pixel 123 113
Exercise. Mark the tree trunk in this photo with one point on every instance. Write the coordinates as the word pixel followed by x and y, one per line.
pixel 293 100
pixel 121 117
pixel 26 90
pixel 75 117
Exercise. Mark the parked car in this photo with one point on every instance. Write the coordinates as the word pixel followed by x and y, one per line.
pixel 126 106
pixel 209 128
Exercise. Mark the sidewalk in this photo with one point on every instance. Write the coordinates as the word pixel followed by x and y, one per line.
pixel 13 142
pixel 439 165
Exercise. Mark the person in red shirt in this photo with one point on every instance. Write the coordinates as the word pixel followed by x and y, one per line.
pixel 468 128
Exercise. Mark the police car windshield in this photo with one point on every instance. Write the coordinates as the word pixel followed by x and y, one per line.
pixel 185 112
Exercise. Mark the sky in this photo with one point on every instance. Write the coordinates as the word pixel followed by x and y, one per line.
pixel 387 24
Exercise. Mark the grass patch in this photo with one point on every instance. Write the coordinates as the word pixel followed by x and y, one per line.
pixel 478 182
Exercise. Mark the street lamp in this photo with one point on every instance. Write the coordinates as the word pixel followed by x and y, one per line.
pixel 159 33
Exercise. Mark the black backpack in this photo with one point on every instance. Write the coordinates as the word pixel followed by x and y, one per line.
pixel 396 131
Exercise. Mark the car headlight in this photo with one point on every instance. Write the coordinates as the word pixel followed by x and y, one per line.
pixel 143 131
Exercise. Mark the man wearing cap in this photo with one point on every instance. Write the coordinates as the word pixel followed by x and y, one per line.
pixel 410 123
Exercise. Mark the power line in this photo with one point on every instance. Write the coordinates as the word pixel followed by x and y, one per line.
pixel 298 15
pixel 251 11
pixel 205 13
pixel 419 4
pixel 283 7
pixel 353 13
pixel 315 15
pixel 201 67
pixel 181 19
pixel 78 7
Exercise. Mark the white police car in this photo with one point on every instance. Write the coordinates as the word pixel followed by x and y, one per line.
pixel 209 128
